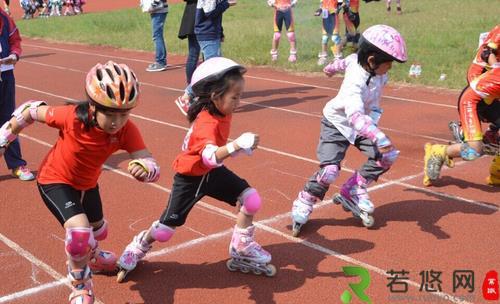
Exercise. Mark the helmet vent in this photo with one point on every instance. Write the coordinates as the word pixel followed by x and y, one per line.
pixel 99 74
pixel 132 94
pixel 117 69
pixel 110 74
pixel 110 93
pixel 122 91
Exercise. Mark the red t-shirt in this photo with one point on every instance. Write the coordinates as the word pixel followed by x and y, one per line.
pixel 487 86
pixel 78 155
pixel 206 129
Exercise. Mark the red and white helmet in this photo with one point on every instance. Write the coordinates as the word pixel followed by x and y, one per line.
pixel 113 86
pixel 385 39
pixel 212 70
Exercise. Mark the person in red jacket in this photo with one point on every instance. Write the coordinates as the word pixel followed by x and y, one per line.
pixel 88 134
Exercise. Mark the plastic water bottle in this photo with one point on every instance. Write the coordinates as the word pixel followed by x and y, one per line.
pixel 418 70
pixel 411 73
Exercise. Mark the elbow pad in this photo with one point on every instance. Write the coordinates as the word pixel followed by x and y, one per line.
pixel 208 156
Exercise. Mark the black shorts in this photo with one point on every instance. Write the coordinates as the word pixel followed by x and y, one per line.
pixel 65 202
pixel 220 183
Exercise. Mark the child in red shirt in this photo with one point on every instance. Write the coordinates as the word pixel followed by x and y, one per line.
pixel 283 14
pixel 88 134
pixel 218 85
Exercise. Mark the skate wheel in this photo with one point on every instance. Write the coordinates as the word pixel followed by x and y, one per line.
pixel 121 275
pixel 271 270
pixel 335 199
pixel 245 269
pixel 369 222
pixel 346 209
pixel 295 232
pixel 230 266
pixel 257 272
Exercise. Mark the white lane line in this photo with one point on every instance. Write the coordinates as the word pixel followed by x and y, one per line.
pixel 248 76
pixel 45 267
pixel 32 291
pixel 94 54
pixel 263 224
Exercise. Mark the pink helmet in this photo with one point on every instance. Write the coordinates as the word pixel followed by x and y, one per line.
pixel 385 39
pixel 212 70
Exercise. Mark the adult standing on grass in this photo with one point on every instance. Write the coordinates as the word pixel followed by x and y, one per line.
pixel 186 30
pixel 209 33
pixel 158 10
pixel 10 50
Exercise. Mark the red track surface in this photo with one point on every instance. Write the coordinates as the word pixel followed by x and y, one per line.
pixel 451 226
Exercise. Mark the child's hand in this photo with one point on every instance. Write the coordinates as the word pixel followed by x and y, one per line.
pixel 137 171
pixel 247 141
pixel 318 12
pixel 232 2
pixel 2 151
pixel 11 59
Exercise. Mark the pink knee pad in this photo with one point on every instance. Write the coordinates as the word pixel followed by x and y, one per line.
pixel 277 36
pixel 327 175
pixel 291 36
pixel 79 241
pixel 101 233
pixel 161 232
pixel 250 201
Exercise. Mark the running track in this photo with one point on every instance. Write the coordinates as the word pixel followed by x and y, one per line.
pixel 451 226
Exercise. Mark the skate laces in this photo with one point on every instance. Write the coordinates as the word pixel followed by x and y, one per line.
pixel 302 208
pixel 136 250
pixel 436 161
pixel 81 279
pixel 303 205
pixel 360 192
pixel 244 243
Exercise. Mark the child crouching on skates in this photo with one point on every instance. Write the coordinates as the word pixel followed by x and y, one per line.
pixel 478 103
pixel 218 84
pixel 351 118
pixel 67 180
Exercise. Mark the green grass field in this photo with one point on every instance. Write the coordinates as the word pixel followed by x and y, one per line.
pixel 441 35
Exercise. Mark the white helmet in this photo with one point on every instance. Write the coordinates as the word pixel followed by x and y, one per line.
pixel 212 70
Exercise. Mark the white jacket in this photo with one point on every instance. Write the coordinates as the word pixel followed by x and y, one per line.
pixel 355 96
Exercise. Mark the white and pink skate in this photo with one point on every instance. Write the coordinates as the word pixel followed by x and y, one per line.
pixel 134 252
pixel 247 255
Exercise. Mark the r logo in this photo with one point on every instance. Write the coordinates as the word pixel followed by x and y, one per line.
pixel 357 288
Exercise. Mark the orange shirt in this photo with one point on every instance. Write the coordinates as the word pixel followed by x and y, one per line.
pixel 78 155
pixel 206 129
pixel 330 5
pixel 487 86
pixel 478 64
pixel 493 37
pixel 281 3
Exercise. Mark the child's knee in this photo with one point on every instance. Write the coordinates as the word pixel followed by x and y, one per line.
pixel 250 201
